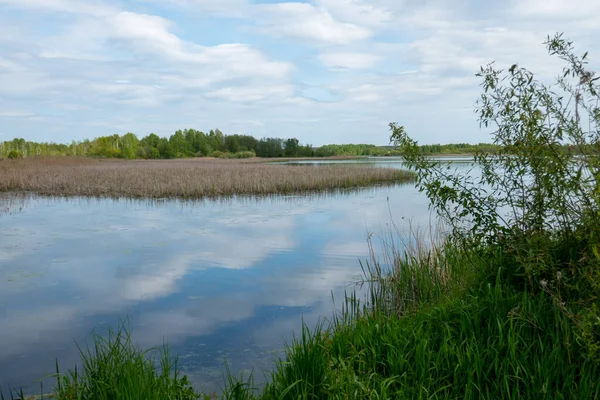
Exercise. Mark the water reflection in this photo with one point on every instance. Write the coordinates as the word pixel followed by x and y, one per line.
pixel 381 162
pixel 11 203
pixel 229 278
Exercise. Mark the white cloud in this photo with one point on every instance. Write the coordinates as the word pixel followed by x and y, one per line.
pixel 91 7
pixel 251 94
pixel 306 21
pixel 359 12
pixel 114 44
pixel 349 60
pixel 150 30
pixel 231 8
pixel 558 9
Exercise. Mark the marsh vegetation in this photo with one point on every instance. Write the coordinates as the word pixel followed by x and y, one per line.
pixel 191 178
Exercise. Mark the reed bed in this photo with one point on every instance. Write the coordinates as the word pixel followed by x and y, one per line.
pixel 189 178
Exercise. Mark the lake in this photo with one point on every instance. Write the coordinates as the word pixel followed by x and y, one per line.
pixel 219 280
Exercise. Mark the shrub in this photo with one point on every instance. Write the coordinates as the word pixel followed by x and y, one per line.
pixel 537 202
pixel 243 154
pixel 216 154
pixel 14 154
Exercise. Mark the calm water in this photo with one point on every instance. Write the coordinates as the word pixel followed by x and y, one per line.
pixel 218 280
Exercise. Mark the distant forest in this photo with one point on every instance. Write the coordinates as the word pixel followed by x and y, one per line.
pixel 193 143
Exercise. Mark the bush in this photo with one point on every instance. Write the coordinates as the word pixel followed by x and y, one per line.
pixel 243 154
pixel 239 154
pixel 14 154
pixel 537 201
pixel 216 154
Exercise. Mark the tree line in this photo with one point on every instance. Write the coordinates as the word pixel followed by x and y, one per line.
pixel 182 144
pixel 194 143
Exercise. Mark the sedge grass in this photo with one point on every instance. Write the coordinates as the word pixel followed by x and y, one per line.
pixel 189 178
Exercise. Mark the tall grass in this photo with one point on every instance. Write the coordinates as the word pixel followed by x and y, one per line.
pixel 114 368
pixel 440 325
pixel 190 178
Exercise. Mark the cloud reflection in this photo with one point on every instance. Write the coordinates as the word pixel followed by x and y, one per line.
pixel 182 270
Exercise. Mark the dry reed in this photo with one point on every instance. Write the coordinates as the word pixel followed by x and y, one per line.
pixel 188 178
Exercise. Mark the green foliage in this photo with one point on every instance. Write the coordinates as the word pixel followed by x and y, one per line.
pixel 129 148
pixel 232 144
pixel 243 154
pixel 344 150
pixel 536 202
pixel 238 155
pixel 247 143
pixel 459 148
pixel 270 147
pixel 114 368
pixel 194 143
pixel 291 147
pixel 495 344
pixel 14 154
pixel 183 143
pixel 216 154
pixel 179 146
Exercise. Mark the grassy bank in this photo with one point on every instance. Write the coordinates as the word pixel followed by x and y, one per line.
pixel 450 325
pixel 189 178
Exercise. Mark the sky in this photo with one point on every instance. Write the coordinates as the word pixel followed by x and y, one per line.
pixel 323 71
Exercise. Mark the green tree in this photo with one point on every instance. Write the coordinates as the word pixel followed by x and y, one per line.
pixel 129 147
pixel 165 149
pixel 292 147
pixel 232 143
pixel 269 147
pixel 247 143
pixel 179 145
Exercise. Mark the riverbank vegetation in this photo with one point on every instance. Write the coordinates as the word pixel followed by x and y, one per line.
pixel 505 304
pixel 190 178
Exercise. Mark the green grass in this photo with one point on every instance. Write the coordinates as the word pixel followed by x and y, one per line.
pixel 458 333
pixel 492 343
pixel 114 368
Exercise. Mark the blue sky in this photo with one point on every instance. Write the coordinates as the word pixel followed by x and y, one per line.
pixel 324 71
